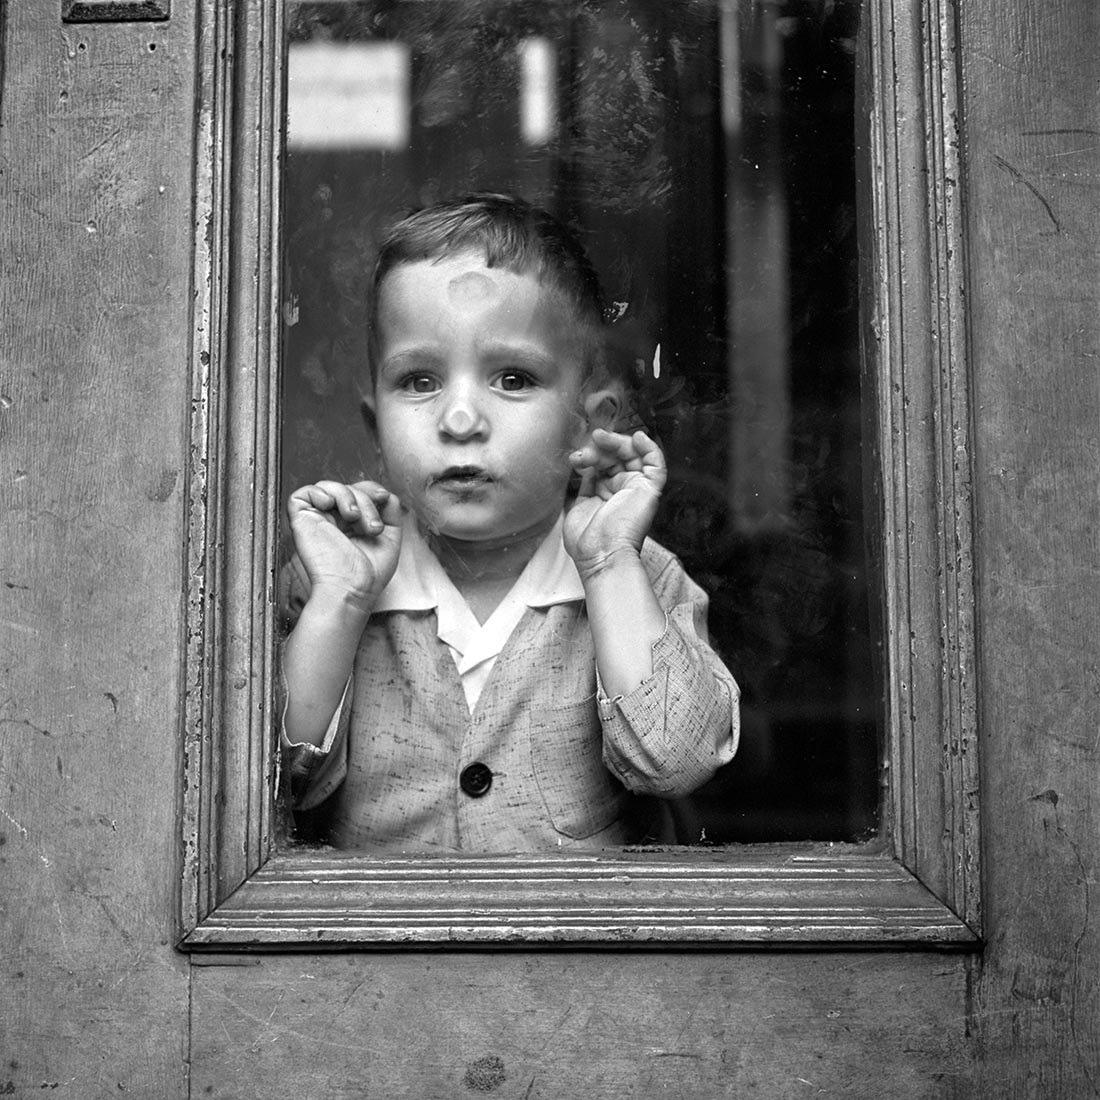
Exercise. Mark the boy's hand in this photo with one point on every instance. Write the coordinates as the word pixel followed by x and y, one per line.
pixel 348 537
pixel 621 481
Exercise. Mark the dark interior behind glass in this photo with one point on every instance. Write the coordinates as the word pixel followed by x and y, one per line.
pixel 704 151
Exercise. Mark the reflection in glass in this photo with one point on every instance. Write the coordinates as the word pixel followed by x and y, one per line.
pixel 704 150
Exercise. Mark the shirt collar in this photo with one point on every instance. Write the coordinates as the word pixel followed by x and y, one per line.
pixel 420 584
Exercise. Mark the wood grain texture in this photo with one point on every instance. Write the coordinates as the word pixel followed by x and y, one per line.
pixel 94 404
pixel 229 759
pixel 95 147
pixel 919 383
pixel 750 896
pixel 596 1024
pixel 1033 155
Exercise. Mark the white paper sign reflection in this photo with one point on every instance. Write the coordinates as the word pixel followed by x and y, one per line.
pixel 348 95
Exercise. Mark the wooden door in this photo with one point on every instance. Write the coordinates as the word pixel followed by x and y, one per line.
pixel 134 666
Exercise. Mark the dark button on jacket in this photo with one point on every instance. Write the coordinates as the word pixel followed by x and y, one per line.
pixel 475 780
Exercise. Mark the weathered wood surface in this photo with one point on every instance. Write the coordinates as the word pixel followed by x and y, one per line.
pixel 679 896
pixel 95 179
pixel 1032 128
pixel 555 1025
pixel 94 331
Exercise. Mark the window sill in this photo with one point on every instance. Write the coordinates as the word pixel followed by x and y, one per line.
pixel 668 897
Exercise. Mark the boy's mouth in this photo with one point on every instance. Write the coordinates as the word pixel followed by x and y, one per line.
pixel 462 477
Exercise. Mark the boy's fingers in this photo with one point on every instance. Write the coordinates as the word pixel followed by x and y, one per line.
pixel 362 513
pixel 390 510
pixel 355 507
pixel 650 454
pixel 363 509
pixel 343 497
pixel 612 442
pixel 376 507
pixel 603 450
pixel 633 452
pixel 587 486
pixel 609 461
pixel 378 493
pixel 626 448
pixel 310 497
pixel 653 465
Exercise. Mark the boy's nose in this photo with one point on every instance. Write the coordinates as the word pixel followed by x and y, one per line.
pixel 462 419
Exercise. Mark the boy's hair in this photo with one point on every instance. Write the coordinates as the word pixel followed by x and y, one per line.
pixel 512 234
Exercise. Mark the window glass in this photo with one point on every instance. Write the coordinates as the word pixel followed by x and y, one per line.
pixel 703 150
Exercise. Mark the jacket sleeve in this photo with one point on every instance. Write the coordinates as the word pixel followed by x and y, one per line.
pixel 669 735
pixel 314 771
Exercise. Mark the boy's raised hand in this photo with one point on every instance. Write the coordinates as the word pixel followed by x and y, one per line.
pixel 348 537
pixel 622 477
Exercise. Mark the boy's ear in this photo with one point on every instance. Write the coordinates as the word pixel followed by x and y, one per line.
pixel 366 410
pixel 603 406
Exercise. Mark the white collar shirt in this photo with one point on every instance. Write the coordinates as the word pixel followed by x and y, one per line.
pixel 421 584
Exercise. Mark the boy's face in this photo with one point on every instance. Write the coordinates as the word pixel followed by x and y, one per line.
pixel 477 395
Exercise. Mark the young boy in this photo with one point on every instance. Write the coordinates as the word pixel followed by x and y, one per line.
pixel 475 664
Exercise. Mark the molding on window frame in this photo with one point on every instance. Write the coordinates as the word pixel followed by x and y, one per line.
pixel 921 890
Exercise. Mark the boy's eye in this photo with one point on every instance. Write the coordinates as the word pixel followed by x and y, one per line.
pixel 514 381
pixel 420 383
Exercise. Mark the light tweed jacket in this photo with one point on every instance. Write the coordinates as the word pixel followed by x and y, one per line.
pixel 568 767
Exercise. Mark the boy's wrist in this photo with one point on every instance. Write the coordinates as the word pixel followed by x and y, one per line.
pixel 337 599
pixel 607 562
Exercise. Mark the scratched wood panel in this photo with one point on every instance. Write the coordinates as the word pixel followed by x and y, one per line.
pixel 1034 168
pixel 94 326
pixel 600 1025
pixel 93 400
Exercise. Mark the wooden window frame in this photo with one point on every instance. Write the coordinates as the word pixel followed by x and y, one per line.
pixel 919 888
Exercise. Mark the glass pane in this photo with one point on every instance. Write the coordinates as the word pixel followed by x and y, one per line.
pixel 703 150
